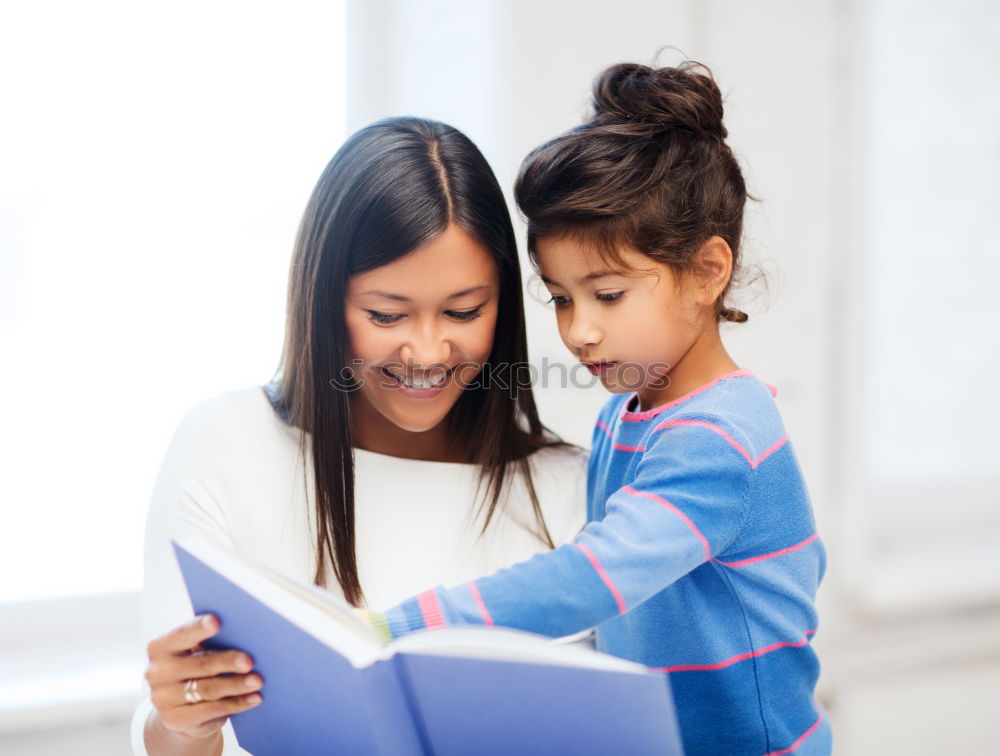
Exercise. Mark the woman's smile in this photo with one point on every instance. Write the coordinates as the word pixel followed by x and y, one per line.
pixel 424 385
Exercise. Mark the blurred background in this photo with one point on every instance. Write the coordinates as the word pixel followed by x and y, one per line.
pixel 155 159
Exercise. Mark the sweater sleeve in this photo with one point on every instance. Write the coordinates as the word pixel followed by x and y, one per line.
pixel 187 501
pixel 685 503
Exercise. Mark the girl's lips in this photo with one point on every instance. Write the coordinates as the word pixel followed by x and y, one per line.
pixel 599 368
pixel 415 393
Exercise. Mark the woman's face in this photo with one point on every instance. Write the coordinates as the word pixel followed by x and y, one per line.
pixel 420 329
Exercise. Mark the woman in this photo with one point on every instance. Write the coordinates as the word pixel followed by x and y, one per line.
pixel 391 436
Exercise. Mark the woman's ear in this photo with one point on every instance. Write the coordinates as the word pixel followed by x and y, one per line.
pixel 715 267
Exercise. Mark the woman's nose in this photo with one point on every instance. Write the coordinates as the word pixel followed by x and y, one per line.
pixel 426 347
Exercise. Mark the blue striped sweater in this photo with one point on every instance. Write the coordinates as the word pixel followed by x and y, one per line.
pixel 701 559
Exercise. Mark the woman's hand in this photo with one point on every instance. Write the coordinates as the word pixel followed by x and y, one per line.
pixel 194 691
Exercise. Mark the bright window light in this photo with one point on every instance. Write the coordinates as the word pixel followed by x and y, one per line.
pixel 934 118
pixel 155 161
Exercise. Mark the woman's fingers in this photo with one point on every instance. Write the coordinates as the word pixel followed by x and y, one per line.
pixel 203 718
pixel 174 656
pixel 185 637
pixel 224 686
pixel 210 664
pixel 210 689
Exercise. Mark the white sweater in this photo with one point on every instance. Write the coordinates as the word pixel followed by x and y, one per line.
pixel 233 473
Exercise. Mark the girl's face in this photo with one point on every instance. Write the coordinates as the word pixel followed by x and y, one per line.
pixel 630 327
pixel 420 329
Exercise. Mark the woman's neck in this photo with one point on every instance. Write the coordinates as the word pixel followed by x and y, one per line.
pixel 371 431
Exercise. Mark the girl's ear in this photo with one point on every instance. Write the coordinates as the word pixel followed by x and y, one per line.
pixel 715 267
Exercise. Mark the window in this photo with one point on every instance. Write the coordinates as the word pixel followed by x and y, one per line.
pixel 155 164
pixel 924 472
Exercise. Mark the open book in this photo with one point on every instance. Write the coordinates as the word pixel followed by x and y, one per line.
pixel 332 687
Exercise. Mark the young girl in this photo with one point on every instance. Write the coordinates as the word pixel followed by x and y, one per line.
pixel 701 557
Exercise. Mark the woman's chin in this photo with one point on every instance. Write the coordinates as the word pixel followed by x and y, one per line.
pixel 417 414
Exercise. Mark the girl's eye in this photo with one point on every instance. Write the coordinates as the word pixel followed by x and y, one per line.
pixel 611 297
pixel 465 314
pixel 383 318
pixel 559 300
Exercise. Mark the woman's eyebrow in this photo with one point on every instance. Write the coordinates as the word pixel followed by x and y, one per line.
pixel 401 298
pixel 470 290
pixel 385 295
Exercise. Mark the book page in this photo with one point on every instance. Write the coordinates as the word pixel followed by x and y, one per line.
pixel 323 615
pixel 504 644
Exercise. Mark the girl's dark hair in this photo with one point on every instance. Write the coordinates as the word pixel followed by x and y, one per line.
pixel 391 187
pixel 650 169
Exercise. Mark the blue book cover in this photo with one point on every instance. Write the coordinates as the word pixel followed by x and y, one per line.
pixel 330 687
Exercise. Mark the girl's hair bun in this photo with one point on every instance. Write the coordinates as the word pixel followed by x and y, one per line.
pixel 685 97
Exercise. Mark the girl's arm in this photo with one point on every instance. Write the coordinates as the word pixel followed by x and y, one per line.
pixel 685 504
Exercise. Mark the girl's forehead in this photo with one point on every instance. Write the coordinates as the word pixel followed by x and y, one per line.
pixel 567 260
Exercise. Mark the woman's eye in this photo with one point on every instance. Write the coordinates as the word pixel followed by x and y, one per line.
pixel 465 314
pixel 383 318
pixel 559 300
pixel 611 297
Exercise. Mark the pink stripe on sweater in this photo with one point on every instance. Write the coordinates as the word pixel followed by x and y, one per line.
pixel 772 555
pixel 478 598
pixel 798 742
pixel 604 576
pixel 771 450
pixel 714 428
pixel 729 439
pixel 738 658
pixel 430 609
pixel 633 417
pixel 619 447
pixel 625 448
pixel 676 511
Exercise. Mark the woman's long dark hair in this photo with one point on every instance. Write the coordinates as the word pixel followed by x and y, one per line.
pixel 391 187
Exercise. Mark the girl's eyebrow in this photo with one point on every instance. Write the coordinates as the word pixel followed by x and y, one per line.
pixel 589 277
pixel 401 298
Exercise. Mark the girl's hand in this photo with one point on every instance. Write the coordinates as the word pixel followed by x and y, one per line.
pixel 188 689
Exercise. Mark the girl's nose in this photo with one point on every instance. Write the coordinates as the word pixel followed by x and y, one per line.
pixel 583 332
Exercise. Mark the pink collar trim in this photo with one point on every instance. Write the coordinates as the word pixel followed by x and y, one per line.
pixel 634 417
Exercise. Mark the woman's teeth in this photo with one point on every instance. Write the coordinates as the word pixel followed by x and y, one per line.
pixel 425 383
pixel 420 383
